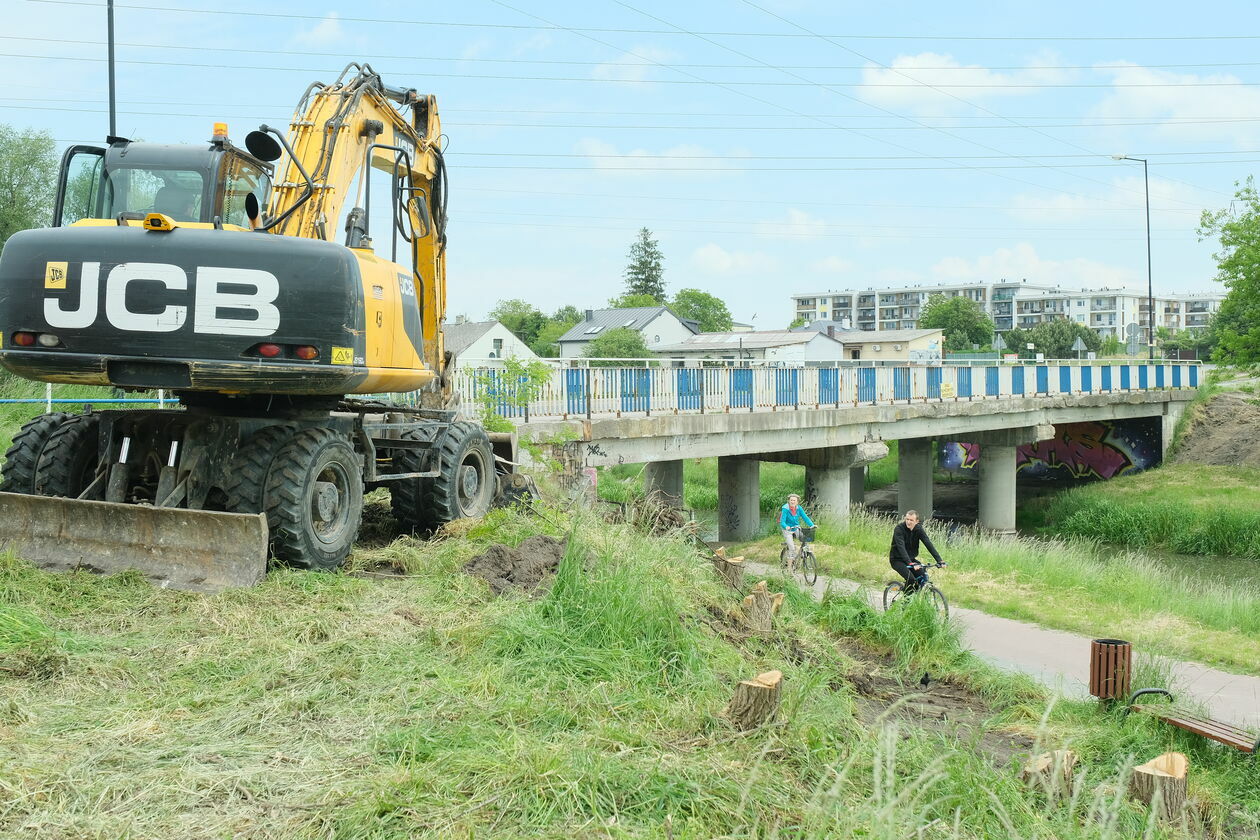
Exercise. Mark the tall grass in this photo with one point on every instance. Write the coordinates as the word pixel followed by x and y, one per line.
pixel 377 707
pixel 1076 585
pixel 1186 508
pixel 13 415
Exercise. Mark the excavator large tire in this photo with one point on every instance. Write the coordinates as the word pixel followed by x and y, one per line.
pixel 20 460
pixel 67 465
pixel 245 482
pixel 314 500
pixel 465 488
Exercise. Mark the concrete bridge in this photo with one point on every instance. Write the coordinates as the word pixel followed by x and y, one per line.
pixel 834 421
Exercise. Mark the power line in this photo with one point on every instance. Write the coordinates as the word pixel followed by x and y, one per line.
pixel 631 31
pixel 597 80
pixel 574 63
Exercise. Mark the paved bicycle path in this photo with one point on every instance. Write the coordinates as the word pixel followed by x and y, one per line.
pixel 1060 660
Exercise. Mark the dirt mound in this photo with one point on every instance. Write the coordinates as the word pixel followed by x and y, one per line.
pixel 529 566
pixel 1222 433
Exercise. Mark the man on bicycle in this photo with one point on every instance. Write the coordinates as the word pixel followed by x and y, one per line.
pixel 790 518
pixel 903 555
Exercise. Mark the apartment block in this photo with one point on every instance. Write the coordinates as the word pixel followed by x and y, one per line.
pixel 1011 304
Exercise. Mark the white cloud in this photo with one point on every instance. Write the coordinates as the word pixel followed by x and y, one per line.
pixel 607 157
pixel 327 31
pixel 1161 95
pixel 714 259
pixel 1173 204
pixel 832 265
pixel 896 87
pixel 634 65
pixel 1022 263
pixel 798 225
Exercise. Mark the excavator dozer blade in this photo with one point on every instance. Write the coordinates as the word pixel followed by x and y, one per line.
pixel 200 550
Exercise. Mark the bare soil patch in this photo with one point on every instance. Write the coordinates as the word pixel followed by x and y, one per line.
pixel 530 566
pixel 1222 432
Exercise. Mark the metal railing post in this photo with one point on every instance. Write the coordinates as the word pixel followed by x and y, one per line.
pixel 587 380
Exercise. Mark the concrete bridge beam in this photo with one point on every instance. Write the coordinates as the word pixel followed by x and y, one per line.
pixel 915 460
pixel 666 479
pixel 997 472
pixel 739 498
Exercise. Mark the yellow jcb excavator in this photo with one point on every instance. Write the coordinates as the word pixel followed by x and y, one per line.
pixel 192 269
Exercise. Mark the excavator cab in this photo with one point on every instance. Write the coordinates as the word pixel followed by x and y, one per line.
pixel 190 184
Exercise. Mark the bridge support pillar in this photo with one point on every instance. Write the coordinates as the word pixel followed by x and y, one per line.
pixel 857 485
pixel 739 498
pixel 997 473
pixel 915 458
pixel 666 479
pixel 830 474
pixel 997 488
pixel 827 489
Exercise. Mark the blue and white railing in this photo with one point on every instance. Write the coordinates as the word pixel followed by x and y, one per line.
pixel 602 391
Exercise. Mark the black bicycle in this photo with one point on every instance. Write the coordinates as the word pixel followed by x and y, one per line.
pixel 809 563
pixel 895 592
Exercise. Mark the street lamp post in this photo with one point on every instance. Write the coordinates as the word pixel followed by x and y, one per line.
pixel 1150 294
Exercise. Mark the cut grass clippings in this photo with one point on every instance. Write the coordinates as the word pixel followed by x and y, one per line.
pixel 381 706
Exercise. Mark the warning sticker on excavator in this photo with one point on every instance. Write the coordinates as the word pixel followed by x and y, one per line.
pixel 343 355
pixel 55 275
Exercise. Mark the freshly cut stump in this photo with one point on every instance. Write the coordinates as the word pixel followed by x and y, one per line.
pixel 755 700
pixel 1051 772
pixel 760 606
pixel 731 569
pixel 1164 777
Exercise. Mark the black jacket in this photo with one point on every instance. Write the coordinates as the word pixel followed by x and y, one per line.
pixel 905 543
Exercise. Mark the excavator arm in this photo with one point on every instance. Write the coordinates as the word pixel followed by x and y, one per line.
pixel 338 133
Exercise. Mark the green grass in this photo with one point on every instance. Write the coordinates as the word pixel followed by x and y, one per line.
pixel 1185 508
pixel 778 481
pixel 1078 586
pixel 379 706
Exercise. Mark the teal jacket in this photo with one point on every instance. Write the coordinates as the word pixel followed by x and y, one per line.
pixel 787 520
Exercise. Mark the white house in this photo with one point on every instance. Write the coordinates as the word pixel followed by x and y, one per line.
pixel 657 324
pixel 883 345
pixel 479 341
pixel 772 346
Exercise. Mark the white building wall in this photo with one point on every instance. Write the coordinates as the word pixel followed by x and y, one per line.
pixel 665 329
pixel 498 342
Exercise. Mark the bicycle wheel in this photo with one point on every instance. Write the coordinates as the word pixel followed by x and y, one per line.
pixel 809 566
pixel 783 557
pixel 892 593
pixel 938 601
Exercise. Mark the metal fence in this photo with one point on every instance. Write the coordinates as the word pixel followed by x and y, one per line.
pixel 601 391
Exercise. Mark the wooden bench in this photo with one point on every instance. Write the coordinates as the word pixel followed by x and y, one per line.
pixel 1225 733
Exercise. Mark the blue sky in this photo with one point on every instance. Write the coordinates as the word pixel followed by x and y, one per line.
pixel 773 147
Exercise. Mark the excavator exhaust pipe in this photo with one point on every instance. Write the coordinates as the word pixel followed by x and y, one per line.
pixel 198 550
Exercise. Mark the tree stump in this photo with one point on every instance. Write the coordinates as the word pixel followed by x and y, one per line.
pixel 760 607
pixel 1162 779
pixel 1051 772
pixel 755 700
pixel 731 569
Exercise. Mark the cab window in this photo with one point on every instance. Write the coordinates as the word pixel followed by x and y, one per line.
pixel 240 179
pixel 174 192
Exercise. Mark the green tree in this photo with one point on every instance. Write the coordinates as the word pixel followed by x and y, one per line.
pixel 28 180
pixel 1016 341
pixel 546 344
pixel 619 343
pixel 1055 338
pixel 522 318
pixel 1111 346
pixel 632 301
pixel 1200 342
pixel 700 306
pixel 1236 326
pixel 798 321
pixel 567 314
pixel 645 274
pixel 962 319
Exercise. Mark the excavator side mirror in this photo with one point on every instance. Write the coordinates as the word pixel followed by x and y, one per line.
pixel 262 146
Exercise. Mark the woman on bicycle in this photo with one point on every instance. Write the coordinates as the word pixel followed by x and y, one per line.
pixel 903 556
pixel 790 518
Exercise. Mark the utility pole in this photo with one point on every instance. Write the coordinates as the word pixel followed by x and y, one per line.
pixel 1150 294
pixel 109 25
